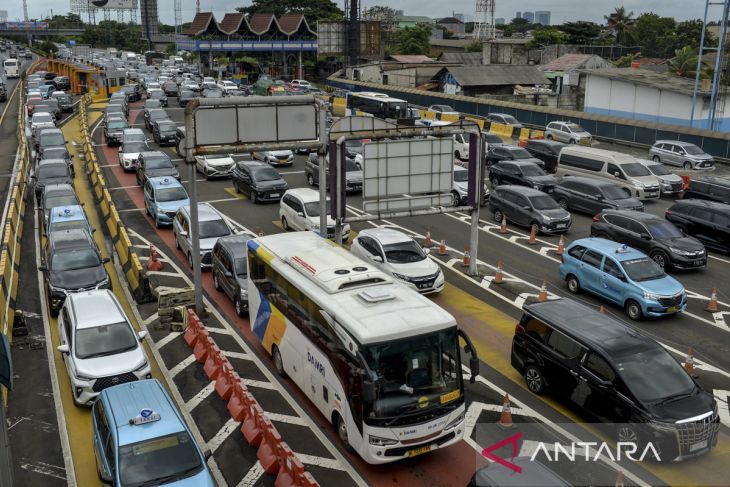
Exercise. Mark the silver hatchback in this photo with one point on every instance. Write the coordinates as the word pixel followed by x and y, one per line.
pixel 684 154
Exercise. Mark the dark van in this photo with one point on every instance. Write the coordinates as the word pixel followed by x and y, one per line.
pixel 710 188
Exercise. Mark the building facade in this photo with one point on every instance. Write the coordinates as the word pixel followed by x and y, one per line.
pixel 542 17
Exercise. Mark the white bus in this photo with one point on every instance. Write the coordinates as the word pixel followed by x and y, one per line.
pixel 378 105
pixel 11 67
pixel 380 361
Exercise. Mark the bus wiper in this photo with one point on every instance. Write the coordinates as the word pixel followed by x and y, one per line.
pixel 417 409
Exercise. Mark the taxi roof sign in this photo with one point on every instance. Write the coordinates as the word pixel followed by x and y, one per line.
pixel 624 248
pixel 145 416
pixel 65 212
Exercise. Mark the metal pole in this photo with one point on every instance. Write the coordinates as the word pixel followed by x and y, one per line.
pixel 474 237
pixel 321 160
pixel 716 75
pixel 194 224
pixel 699 65
pixel 337 191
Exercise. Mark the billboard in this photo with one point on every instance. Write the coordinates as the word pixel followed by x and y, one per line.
pixel 3 16
pixel 115 4
pixel 26 25
pixel 332 40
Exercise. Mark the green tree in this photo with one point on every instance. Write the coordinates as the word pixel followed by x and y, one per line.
pixel 689 33
pixel 622 22
pixel 475 46
pixel 413 40
pixel 580 32
pixel 170 49
pixel 313 10
pixel 684 64
pixel 656 35
pixel 517 25
pixel 547 36
pixel 383 14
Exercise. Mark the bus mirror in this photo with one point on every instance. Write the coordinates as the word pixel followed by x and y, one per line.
pixel 368 391
pixel 473 368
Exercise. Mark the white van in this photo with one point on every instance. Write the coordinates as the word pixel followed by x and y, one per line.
pixel 461 141
pixel 11 67
pixel 621 169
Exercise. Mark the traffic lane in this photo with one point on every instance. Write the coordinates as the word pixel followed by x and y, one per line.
pixel 8 133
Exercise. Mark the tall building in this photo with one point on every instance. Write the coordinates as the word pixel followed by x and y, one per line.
pixel 528 16
pixel 518 15
pixel 542 17
pixel 499 21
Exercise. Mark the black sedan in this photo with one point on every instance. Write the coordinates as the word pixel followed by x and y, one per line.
pixel 707 221
pixel 113 131
pixel 51 171
pixel 163 132
pixel 510 153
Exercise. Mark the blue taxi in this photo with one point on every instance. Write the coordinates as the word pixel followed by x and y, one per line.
pixel 141 439
pixel 69 217
pixel 163 196
pixel 622 275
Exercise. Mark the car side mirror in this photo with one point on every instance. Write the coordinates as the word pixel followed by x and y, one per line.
pixel 527 207
pixel 43 268
pixel 142 334
pixel 599 197
pixel 105 478
pixel 207 454
pixel 646 236
pixel 63 349
pixel 616 174
pixel 377 258
pixel 300 213
pixel 105 260
pixel 227 273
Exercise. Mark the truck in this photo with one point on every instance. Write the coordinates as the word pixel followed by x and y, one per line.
pixel 129 56
pixel 268 87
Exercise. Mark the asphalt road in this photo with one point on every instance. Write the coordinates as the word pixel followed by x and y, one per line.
pixel 487 313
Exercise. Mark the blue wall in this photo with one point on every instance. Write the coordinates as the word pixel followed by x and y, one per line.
pixel 723 125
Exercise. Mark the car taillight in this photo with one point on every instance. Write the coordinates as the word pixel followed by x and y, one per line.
pixel 597 218
pixel 519 329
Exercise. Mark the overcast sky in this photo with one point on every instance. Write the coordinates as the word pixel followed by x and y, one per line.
pixel 562 10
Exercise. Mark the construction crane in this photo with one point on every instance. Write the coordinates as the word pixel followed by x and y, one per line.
pixel 484 20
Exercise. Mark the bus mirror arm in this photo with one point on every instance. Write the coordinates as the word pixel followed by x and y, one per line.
pixel 473 359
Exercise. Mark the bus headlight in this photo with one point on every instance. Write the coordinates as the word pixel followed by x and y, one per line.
pixel 378 441
pixel 454 422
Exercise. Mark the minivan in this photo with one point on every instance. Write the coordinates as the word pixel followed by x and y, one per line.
pixel 527 207
pixel 211 225
pixel 616 374
pixel 707 221
pixel 230 269
pixel 621 169
pixel 592 196
pixel 710 188
pixel 678 153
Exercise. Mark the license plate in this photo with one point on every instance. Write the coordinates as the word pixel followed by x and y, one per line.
pixel 697 262
pixel 652 194
pixel 422 286
pixel 673 309
pixel 419 451
pixel 274 195
pixel 698 446
pixel 561 225
pixel 283 161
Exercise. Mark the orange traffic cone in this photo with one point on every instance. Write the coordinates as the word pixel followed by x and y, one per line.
pixel 153 264
pixel 533 234
pixel 428 242
pixel 498 276
pixel 442 248
pixel 712 305
pixel 561 245
pixel 689 363
pixel 619 479
pixel 467 258
pixel 543 291
pixel 505 419
pixel 503 226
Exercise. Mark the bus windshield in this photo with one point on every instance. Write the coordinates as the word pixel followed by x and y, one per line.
pixel 415 375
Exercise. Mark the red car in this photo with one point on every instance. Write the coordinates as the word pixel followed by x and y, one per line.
pixel 32 102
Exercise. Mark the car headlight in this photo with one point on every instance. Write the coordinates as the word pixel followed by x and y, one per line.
pixel 536 186
pixel 639 185
pixel 679 251
pixel 457 420
pixel 378 441
pixel 83 377
pixel 244 294
pixel 400 276
pixel 142 366
pixel 548 218
pixel 652 296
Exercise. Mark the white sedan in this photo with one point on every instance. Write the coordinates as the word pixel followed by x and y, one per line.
pixel 215 166
pixel 275 157
pixel 400 256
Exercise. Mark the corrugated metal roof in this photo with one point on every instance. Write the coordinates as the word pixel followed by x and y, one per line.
pixel 645 77
pixel 465 58
pixel 411 58
pixel 498 75
pixel 567 62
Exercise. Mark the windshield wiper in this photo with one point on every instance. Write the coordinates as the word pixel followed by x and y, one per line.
pixel 170 478
pixel 674 397
pixel 416 408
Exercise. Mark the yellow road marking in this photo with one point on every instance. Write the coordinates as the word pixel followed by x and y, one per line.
pixel 232 192
pixel 278 224
pixel 78 420
pixel 492 337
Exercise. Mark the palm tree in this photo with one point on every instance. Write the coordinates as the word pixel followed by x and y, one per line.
pixel 684 64
pixel 622 23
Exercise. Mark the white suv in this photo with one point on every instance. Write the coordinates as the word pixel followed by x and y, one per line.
pixel 99 345
pixel 299 210
pixel 212 226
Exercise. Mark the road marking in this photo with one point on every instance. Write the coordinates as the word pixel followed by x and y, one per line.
pixel 220 331
pixel 222 200
pixel 123 187
pixel 232 191
pixel 718 258
pixel 318 461
pixel 238 355
pixel 181 366
pixel 228 428
pixel 291 172
pixel 723 409
pixel 259 384
pixel 163 273
pixel 148 321
pixel 168 338
pixel 43 468
pixel 253 475
pixel 285 418
pixel 200 396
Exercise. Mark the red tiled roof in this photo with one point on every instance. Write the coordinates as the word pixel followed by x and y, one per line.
pixel 231 22
pixel 260 23
pixel 200 23
pixel 567 62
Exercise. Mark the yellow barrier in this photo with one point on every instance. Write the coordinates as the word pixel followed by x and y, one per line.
pixel 478 121
pixel 450 117
pixel 339 107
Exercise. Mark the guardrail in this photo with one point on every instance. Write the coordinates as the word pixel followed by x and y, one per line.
pixel 134 271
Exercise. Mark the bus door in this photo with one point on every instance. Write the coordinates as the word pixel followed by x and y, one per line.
pixel 317 371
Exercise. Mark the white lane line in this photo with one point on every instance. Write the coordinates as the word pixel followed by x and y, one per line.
pixel 163 273
pixel 122 187
pixel 259 384
pixel 220 331
pixel 170 337
pixel 252 476
pixel 223 434
pixel 127 210
pixel 222 200
pixel 182 366
pixel 718 258
pixel 319 461
pixel 238 355
pixel 285 418
pixel 148 321
pixel 291 172
pixel 200 396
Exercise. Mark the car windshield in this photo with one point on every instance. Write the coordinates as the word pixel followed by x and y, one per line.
pixel 493 139
pixel 241 266
pixel 659 170
pixel 644 269
pixel 266 174
pixel 510 119
pixel 693 149
pixel 653 375
pixel 532 170
pixel 543 202
pixel 404 252
pixel 66 200
pixel 55 153
pixel 42 118
pixel 663 230
pixel 163 195
pixel 461 176
pixel 157 163
pixel 350 165
pixel 74 260
pixel 158 461
pixel 167 126
pixel 574 127
pixel 520 153
pixel 415 375
pixel 135 146
pixel 68 225
pixel 52 139
pixel 186 94
pixel 63 98
pixel 157 95
pixel 99 341
pixel 152 103
pixel 614 193
pixel 214 228
pixel 117 124
pixel 52 171
pixel 635 169
pixel 158 115
pixel 312 208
